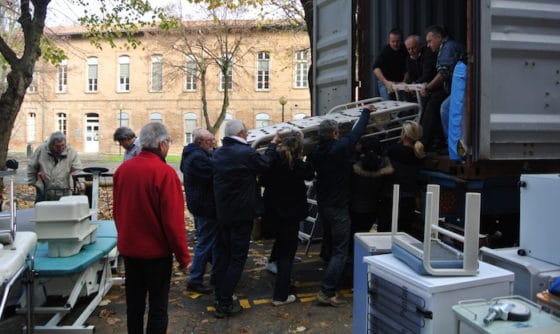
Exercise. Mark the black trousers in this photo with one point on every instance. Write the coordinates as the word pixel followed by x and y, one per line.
pixel 284 251
pixel 232 248
pixel 149 277
pixel 431 119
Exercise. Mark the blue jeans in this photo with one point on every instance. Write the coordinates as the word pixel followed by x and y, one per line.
pixel 147 277
pixel 336 229
pixel 232 247
pixel 207 230
pixel 382 90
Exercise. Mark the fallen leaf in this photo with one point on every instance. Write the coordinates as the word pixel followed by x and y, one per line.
pixel 105 302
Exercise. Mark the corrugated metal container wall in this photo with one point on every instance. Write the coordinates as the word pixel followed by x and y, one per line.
pixel 519 80
pixel 378 17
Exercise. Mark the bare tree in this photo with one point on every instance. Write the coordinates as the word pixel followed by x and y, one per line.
pixel 217 43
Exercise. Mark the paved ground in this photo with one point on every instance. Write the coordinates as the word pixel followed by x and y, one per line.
pixel 192 313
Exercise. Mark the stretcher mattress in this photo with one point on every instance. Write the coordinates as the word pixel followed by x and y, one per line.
pixel 12 257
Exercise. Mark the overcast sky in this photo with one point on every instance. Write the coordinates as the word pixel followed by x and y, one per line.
pixel 63 12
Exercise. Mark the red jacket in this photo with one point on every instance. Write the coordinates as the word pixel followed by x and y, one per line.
pixel 148 207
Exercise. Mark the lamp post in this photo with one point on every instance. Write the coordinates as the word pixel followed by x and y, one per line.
pixel 120 122
pixel 283 100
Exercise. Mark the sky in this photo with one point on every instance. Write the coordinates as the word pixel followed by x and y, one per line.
pixel 64 12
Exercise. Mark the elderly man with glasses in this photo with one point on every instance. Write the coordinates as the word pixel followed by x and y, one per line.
pixel 197 179
pixel 51 166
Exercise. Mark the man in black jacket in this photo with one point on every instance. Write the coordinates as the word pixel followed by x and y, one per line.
pixel 332 160
pixel 235 168
pixel 390 65
pixel 197 179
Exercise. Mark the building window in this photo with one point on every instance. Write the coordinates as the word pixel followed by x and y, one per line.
pixel 190 125
pixel 124 74
pixel 299 116
pixel 123 119
pixel 262 120
pixel 92 75
pixel 191 74
pixel 31 124
pixel 227 62
pixel 301 69
pixel 61 122
pixel 263 71
pixel 33 85
pixel 62 77
pixel 156 117
pixel 157 74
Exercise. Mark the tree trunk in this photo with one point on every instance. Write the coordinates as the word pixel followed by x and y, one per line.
pixel 21 73
pixel 205 101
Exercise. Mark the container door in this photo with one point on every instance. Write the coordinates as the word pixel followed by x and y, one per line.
pixel 332 55
pixel 519 82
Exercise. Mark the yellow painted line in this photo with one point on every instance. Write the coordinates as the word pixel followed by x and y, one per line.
pixel 262 301
pixel 304 295
pixel 298 284
pixel 210 309
pixel 192 295
pixel 307 299
pixel 245 303
pixel 346 292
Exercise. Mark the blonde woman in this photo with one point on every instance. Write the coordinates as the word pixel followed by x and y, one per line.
pixel 406 157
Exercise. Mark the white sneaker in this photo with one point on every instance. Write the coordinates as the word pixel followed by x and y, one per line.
pixel 271 267
pixel 289 300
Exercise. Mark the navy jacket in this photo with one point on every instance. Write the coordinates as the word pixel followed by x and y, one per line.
pixel 332 160
pixel 235 169
pixel 197 179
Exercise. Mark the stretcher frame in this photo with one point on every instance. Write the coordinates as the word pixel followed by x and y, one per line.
pixel 92 277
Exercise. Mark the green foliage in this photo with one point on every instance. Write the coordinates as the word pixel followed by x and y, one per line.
pixel 50 52
pixel 229 4
pixel 122 19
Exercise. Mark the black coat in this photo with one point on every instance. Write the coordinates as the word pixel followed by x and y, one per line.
pixel 332 161
pixel 285 193
pixel 367 187
pixel 197 179
pixel 235 169
pixel 406 166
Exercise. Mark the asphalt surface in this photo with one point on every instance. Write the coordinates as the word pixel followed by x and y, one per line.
pixel 193 313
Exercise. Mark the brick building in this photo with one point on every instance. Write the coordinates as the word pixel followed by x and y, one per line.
pixel 95 90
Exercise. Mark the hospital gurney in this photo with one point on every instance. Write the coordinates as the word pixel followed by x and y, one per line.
pixel 87 273
pixel 385 123
pixel 15 251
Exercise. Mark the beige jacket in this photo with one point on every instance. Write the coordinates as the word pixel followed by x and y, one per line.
pixel 58 173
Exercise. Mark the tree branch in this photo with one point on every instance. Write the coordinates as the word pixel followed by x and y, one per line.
pixel 7 52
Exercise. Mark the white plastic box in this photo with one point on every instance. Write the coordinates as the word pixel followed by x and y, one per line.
pixel 531 275
pixel 66 218
pixel 402 301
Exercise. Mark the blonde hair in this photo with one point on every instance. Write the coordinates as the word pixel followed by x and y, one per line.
pixel 413 132
pixel 291 146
